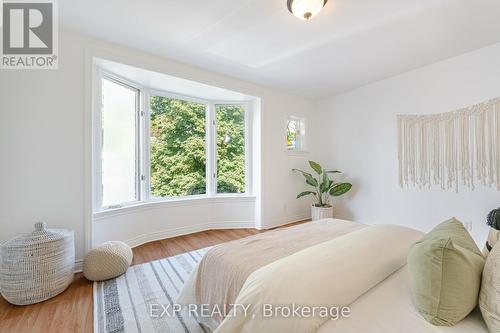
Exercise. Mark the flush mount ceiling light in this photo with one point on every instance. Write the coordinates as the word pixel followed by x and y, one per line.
pixel 306 9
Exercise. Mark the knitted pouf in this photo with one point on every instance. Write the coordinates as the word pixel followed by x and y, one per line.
pixel 107 261
pixel 37 266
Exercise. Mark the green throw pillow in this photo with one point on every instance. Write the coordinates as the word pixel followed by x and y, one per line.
pixel 445 272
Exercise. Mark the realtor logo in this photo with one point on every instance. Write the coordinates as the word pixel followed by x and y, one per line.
pixel 29 36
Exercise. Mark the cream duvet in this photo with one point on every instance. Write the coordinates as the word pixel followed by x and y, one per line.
pixel 222 272
pixel 331 274
pixel 326 275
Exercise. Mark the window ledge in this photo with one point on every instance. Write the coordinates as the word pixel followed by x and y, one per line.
pixel 296 152
pixel 170 203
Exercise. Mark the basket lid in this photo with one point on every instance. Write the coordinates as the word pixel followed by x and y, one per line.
pixel 41 234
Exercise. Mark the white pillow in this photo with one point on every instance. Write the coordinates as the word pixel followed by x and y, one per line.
pixel 489 297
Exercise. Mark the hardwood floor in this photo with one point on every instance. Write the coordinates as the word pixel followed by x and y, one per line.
pixel 71 311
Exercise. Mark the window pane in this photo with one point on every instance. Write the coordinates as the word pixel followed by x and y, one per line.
pixel 119 143
pixel 292 134
pixel 177 147
pixel 230 149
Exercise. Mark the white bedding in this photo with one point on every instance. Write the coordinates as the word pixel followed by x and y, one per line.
pixel 388 308
pixel 331 274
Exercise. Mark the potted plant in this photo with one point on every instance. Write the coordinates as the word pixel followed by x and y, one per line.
pixel 493 221
pixel 324 188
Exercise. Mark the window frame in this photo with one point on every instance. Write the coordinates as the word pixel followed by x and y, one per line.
pixel 247 141
pixel 143 145
pixel 98 188
pixel 147 143
pixel 301 144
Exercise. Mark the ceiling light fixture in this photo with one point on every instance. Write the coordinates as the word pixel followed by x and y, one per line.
pixel 306 9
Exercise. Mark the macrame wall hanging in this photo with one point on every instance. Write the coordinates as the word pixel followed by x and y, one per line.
pixel 454 149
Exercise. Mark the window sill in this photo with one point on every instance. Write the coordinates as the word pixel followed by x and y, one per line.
pixel 296 152
pixel 172 202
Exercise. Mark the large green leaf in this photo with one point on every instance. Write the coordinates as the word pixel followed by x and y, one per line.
pixel 303 194
pixel 325 184
pixel 340 189
pixel 310 180
pixel 316 167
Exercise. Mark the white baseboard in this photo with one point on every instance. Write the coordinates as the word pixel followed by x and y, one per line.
pixel 285 221
pixel 169 233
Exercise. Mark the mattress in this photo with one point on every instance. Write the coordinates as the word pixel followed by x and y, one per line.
pixel 388 308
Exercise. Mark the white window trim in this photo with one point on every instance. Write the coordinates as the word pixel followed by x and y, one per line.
pixel 246 107
pixel 147 144
pixel 143 177
pixel 302 138
pixel 97 139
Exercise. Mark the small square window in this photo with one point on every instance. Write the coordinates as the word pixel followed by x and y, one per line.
pixel 295 134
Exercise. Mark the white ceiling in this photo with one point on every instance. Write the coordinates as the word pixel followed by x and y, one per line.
pixel 349 44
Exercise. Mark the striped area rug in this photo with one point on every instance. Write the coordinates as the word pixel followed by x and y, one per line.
pixel 124 304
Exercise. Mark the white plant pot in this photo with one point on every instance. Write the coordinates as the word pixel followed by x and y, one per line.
pixel 319 213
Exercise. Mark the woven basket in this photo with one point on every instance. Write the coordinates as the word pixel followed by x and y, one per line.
pixel 37 266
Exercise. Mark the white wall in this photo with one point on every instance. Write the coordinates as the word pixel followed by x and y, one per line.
pixel 362 140
pixel 45 162
pixel 167 219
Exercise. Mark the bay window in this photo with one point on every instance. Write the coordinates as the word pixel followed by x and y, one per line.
pixel 177 147
pixel 155 145
pixel 230 120
pixel 119 143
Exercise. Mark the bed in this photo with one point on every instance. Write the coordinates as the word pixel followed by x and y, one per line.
pixel 329 263
pixel 388 308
